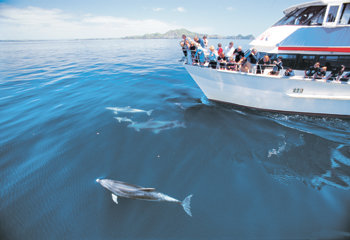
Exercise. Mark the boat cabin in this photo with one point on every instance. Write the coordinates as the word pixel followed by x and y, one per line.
pixel 308 33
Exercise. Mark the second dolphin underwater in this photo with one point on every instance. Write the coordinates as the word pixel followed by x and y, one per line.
pixel 127 190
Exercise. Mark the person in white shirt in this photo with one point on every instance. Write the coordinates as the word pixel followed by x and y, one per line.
pixel 229 50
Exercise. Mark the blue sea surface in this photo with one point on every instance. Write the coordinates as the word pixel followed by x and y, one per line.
pixel 66 120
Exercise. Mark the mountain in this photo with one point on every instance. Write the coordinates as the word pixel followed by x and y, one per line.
pixel 177 34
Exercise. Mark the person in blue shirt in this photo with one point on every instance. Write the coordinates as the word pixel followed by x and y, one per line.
pixel 289 72
pixel 199 41
pixel 200 55
pixel 212 57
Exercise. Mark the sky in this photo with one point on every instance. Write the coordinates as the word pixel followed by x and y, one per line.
pixel 72 19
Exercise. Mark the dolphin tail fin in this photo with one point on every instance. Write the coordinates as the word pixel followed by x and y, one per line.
pixel 149 112
pixel 186 204
pixel 115 198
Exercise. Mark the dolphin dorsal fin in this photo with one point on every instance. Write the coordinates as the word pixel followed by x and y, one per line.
pixel 148 189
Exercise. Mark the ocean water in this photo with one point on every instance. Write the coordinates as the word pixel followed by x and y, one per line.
pixel 66 120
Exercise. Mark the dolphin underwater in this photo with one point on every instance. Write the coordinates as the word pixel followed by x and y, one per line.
pixel 128 109
pixel 126 190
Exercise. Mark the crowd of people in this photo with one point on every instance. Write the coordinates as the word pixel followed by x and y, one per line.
pixel 318 72
pixel 197 52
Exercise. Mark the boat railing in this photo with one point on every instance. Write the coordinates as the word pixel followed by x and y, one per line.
pixel 258 69
pixel 253 69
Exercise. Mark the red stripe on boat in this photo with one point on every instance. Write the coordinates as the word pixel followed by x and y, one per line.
pixel 316 49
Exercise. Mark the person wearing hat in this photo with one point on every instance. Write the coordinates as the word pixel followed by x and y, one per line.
pixel 212 57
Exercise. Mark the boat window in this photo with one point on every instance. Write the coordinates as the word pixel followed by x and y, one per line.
pixel 305 16
pixel 289 60
pixel 288 17
pixel 329 61
pixel 332 13
pixel 318 19
pixel 345 60
pixel 306 61
pixel 345 15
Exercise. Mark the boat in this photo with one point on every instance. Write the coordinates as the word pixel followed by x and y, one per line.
pixel 312 32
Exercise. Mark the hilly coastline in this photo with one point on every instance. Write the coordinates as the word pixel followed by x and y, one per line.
pixel 177 33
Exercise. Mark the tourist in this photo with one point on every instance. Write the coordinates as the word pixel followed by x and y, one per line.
pixel 336 73
pixel 205 40
pixel 289 72
pixel 239 54
pixel 278 66
pixel 231 64
pixel 229 50
pixel 262 63
pixel 321 73
pixel 219 49
pixel 312 70
pixel 212 57
pixel 222 60
pixel 189 55
pixel 244 65
pixel 184 45
pixel 252 57
pixel 345 78
pixel 200 57
pixel 193 49
pixel 199 41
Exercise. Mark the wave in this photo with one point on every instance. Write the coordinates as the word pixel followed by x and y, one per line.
pixel 333 129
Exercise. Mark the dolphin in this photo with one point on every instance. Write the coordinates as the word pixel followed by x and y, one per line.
pixel 156 126
pixel 123 119
pixel 128 109
pixel 126 190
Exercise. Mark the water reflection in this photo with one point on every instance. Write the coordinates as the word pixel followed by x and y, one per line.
pixel 294 148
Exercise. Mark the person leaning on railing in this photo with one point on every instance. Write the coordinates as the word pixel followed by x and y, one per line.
pixel 321 73
pixel 199 55
pixel 212 57
pixel 312 70
pixel 289 73
pixel 193 49
pixel 230 65
pixel 336 73
pixel 345 78
pixel 222 61
pixel 184 45
pixel 278 66
pixel 239 54
pixel 252 59
pixel 262 63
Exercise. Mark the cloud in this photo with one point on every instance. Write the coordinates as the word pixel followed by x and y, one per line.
pixel 180 9
pixel 39 23
pixel 157 9
pixel 229 8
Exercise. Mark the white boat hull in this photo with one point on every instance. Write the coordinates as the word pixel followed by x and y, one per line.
pixel 273 93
